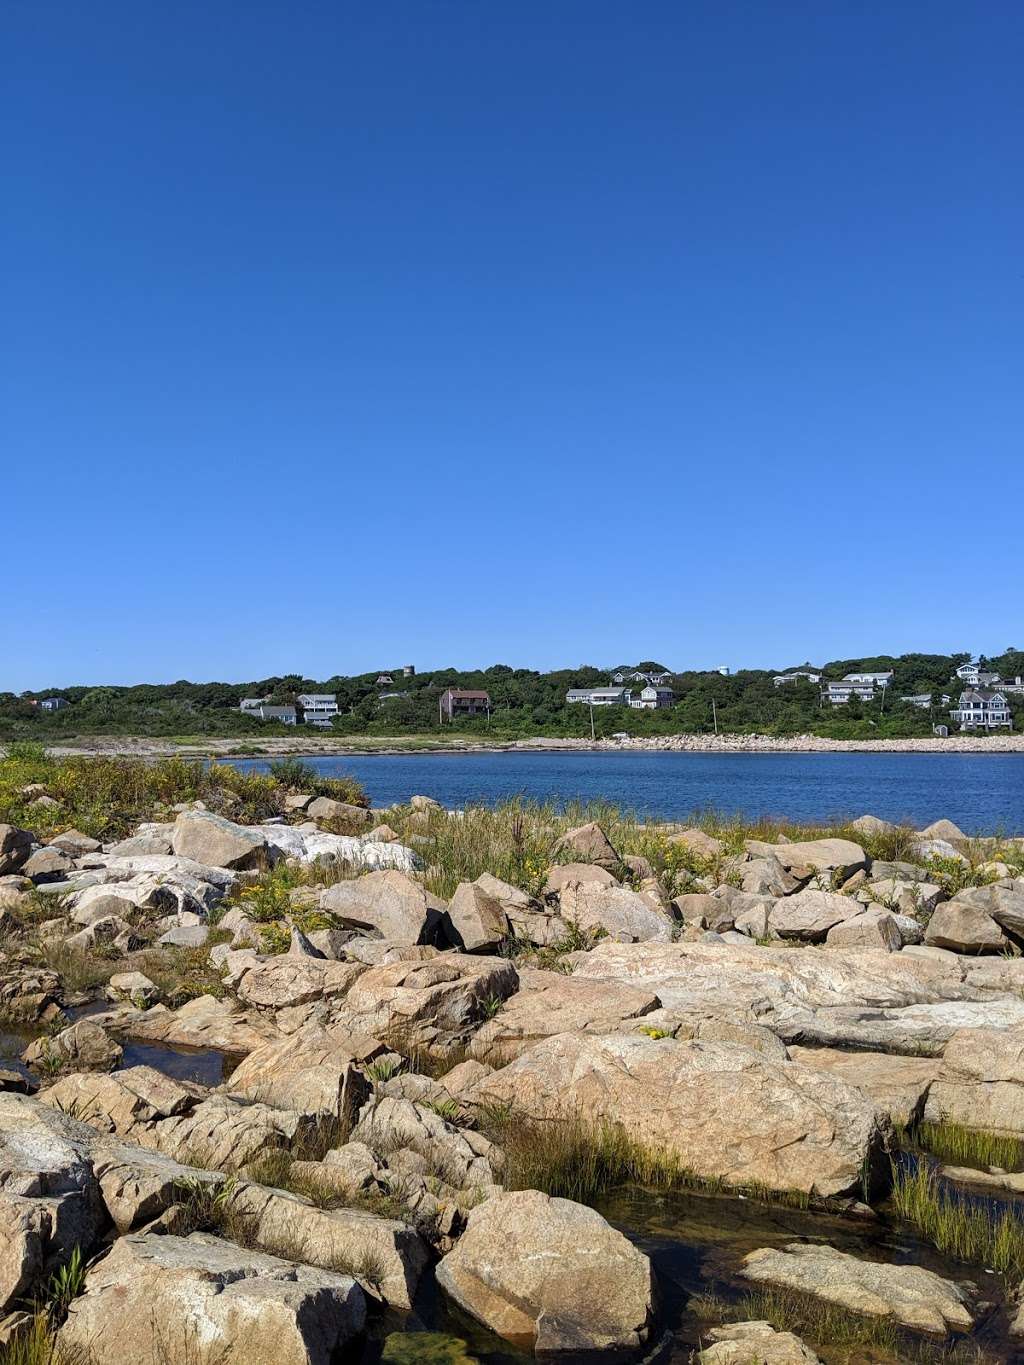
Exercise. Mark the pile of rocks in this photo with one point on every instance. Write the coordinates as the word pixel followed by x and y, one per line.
pixel 761 1031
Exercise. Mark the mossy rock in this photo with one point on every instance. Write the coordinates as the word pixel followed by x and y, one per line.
pixel 425 1348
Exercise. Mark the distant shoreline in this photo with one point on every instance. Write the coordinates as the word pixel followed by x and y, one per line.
pixel 305 747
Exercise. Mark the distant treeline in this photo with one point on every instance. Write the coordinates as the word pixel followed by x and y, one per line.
pixel 523 702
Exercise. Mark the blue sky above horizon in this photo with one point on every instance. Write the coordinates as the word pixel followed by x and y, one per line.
pixel 338 336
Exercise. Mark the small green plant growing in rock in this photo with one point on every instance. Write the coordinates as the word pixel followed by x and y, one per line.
pixel 384 1069
pixel 448 1109
pixel 275 938
pixel 66 1282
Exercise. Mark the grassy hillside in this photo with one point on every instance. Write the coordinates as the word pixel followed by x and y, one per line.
pixel 524 703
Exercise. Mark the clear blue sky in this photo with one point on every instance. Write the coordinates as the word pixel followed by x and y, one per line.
pixel 341 335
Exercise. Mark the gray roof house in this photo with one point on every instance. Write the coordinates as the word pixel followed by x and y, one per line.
pixel 982 709
pixel 284 715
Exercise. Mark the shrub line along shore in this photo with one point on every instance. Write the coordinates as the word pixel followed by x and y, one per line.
pixel 146 747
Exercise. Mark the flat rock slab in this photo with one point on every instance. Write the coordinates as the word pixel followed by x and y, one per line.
pixel 840 856
pixel 720 1110
pixel 913 1296
pixel 755 1343
pixel 897 1085
pixel 909 1001
pixel 309 1071
pixel 550 1275
pixel 199 1300
pixel 389 1251
pixel 548 1003
pixel 423 1003
pixel 981 1084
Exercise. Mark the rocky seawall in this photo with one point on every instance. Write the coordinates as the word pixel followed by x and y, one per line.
pixel 306 745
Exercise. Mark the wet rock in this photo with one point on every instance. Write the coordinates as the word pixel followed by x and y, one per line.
pixel 722 1110
pixel 1004 1182
pixel 913 1296
pixel 241 1303
pixel 550 1275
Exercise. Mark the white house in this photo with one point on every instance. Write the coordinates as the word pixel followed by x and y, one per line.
pixel 250 706
pixel 839 693
pixel 53 703
pixel 1016 687
pixel 876 679
pixel 318 708
pixel 652 698
pixel 981 709
pixel 624 675
pixel 781 679
pixel 599 696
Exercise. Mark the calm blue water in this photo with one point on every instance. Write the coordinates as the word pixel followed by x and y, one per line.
pixel 982 793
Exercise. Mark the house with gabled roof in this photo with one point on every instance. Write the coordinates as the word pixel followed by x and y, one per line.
pixel 982 708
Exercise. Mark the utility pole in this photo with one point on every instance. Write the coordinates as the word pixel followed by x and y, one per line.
pixel 714 713
pixel 592 735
